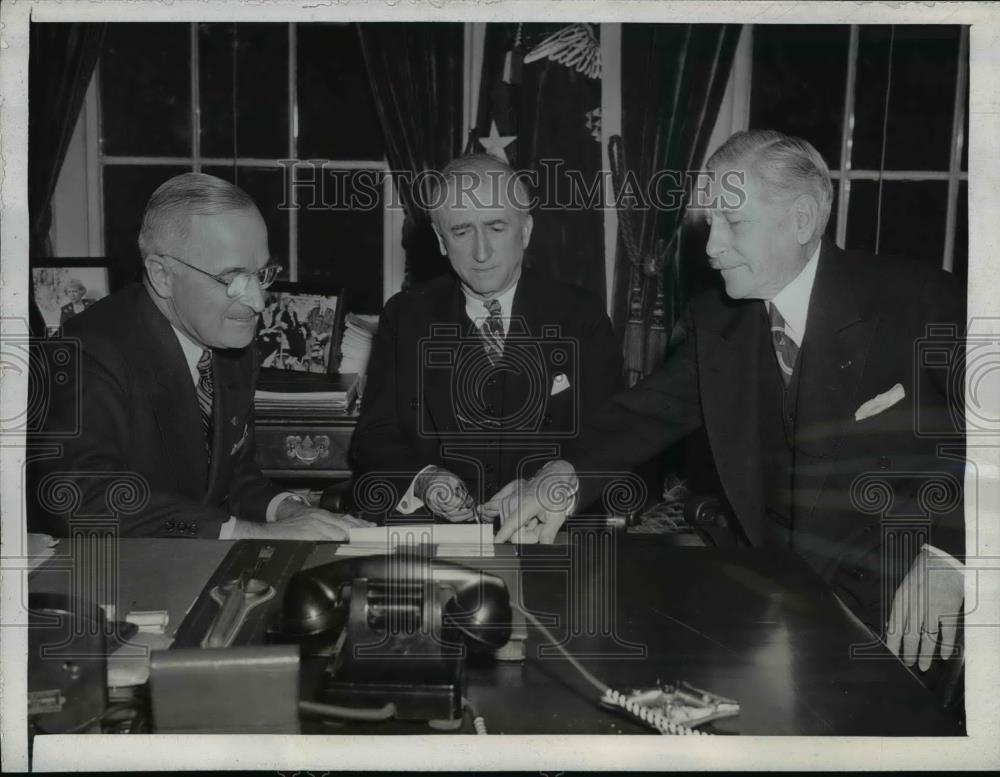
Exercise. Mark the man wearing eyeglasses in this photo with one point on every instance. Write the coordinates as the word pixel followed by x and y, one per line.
pixel 166 384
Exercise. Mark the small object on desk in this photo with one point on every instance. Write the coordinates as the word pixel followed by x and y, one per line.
pixel 40 548
pixel 149 621
pixel 236 599
pixel 681 705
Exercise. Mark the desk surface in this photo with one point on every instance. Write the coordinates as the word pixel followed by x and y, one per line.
pixel 753 625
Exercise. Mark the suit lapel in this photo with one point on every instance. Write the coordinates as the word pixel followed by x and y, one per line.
pixel 838 337
pixel 729 349
pixel 173 398
pixel 230 403
pixel 446 327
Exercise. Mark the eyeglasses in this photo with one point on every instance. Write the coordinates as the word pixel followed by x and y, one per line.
pixel 237 284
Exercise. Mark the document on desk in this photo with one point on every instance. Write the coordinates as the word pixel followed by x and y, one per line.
pixel 460 540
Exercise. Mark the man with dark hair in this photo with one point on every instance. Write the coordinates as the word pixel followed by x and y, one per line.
pixel 806 376
pixel 167 379
pixel 479 375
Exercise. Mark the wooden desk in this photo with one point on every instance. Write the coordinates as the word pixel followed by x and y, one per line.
pixel 753 625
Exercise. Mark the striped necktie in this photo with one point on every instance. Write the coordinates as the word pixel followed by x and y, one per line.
pixel 204 390
pixel 492 331
pixel 784 346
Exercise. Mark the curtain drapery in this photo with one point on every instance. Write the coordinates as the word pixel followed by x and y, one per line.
pixel 673 80
pixel 415 71
pixel 61 62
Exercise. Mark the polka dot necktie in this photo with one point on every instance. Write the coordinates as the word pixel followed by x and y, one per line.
pixel 492 331
pixel 205 392
pixel 784 346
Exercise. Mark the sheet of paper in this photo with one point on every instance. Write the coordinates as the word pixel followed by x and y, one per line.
pixel 452 540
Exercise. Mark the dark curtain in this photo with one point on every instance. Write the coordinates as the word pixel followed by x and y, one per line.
pixel 549 108
pixel 61 61
pixel 415 72
pixel 673 80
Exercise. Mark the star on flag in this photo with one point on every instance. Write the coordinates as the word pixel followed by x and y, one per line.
pixel 495 143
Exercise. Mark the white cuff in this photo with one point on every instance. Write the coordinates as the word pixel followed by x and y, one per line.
pixel 226 532
pixel 953 562
pixel 271 514
pixel 409 503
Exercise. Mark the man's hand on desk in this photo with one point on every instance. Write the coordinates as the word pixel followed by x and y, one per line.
pixel 924 611
pixel 532 511
pixel 445 494
pixel 308 523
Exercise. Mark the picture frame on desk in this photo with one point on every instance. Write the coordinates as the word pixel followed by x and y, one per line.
pixel 300 329
pixel 63 287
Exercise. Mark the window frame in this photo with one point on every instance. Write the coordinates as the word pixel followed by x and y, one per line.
pixel 393 257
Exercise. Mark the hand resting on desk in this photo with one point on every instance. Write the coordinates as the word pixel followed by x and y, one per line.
pixel 532 511
pixel 308 523
pixel 445 494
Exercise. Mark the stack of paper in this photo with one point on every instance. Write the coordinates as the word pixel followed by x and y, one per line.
pixel 301 395
pixel 460 540
pixel 356 347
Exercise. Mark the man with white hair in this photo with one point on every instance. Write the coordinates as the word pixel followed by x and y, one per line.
pixel 166 384
pixel 826 426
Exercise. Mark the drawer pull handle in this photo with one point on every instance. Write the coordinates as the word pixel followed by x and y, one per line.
pixel 307 449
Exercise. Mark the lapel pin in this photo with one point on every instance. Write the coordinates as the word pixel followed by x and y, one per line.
pixel 846 364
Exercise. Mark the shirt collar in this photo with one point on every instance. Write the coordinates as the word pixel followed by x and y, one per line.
pixel 793 300
pixel 476 310
pixel 192 352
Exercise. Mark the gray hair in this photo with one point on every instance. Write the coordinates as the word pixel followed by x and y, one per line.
pixel 75 283
pixel 168 212
pixel 782 163
pixel 474 169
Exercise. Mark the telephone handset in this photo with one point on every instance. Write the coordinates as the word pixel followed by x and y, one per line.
pixel 473 602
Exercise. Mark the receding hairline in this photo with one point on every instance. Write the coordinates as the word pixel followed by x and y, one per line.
pixel 480 169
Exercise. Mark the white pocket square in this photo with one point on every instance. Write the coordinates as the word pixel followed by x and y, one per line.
pixel 879 403
pixel 559 384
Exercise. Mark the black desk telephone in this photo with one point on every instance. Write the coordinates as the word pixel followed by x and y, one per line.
pixel 398 628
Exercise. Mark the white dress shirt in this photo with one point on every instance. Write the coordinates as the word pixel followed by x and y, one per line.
pixel 192 353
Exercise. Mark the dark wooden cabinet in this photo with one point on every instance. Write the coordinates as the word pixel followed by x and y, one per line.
pixel 305 449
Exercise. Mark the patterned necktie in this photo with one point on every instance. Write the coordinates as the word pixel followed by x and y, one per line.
pixel 205 391
pixel 492 331
pixel 784 346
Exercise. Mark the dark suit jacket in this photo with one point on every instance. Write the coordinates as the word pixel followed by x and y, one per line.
pixel 425 403
pixel 135 407
pixel 866 331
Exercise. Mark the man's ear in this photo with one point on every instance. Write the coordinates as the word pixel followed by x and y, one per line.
pixel 526 226
pixel 161 280
pixel 805 211
pixel 437 232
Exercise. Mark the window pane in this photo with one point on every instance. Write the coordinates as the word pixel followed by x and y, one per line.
pixel 960 262
pixel 261 90
pixel 337 117
pixel 127 189
pixel 913 218
pixel 266 187
pixel 146 90
pixel 341 244
pixel 799 77
pixel 921 96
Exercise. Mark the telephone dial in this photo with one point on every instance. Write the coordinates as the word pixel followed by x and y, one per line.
pixel 396 629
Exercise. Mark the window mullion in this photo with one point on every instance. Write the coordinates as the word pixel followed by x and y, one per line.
pixel 955 164
pixel 195 101
pixel 847 138
pixel 293 149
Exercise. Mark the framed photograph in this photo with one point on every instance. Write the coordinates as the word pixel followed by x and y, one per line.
pixel 299 330
pixel 64 288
